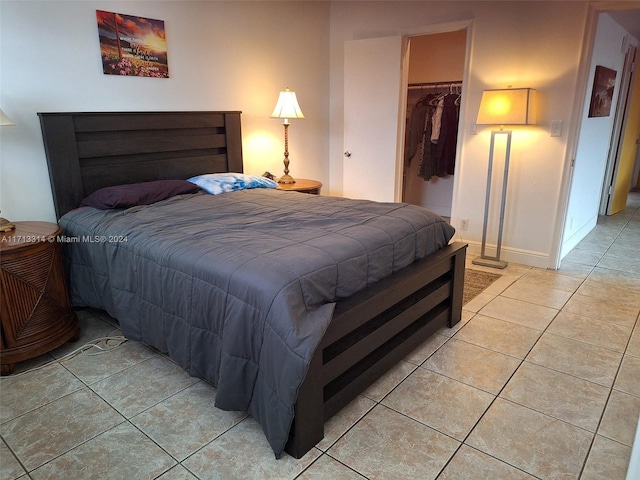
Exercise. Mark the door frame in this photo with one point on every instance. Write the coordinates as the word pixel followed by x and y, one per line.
pixel 464 106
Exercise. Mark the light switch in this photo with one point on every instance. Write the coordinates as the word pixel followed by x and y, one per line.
pixel 556 128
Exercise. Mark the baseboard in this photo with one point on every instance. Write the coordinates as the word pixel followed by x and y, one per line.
pixel 512 255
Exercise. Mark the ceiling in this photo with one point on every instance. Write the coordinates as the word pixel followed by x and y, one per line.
pixel 629 20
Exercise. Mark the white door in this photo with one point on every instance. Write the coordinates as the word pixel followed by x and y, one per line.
pixel 372 99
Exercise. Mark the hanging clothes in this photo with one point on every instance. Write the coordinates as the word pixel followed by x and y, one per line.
pixel 416 127
pixel 432 135
pixel 445 151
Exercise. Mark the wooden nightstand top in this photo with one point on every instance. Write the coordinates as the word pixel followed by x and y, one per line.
pixel 28 233
pixel 302 185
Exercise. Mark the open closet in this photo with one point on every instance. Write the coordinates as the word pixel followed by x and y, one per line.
pixel 436 68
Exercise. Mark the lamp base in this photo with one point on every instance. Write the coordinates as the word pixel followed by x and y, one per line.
pixel 286 179
pixel 6 225
pixel 489 262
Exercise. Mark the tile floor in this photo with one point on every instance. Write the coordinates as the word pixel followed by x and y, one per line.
pixel 540 380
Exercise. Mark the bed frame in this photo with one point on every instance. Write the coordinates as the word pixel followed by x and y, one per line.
pixel 370 331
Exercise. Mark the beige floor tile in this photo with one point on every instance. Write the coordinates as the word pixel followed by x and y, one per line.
pixel 634 344
pixel 450 332
pixel 589 362
pixel 449 406
pixel 596 245
pixel 596 308
pixel 342 421
pixel 326 468
pixel 624 297
pixel 187 421
pixel 243 453
pixel 576 270
pixel 91 328
pixel 10 468
pixel 526 314
pixel 91 367
pixel 469 463
pixel 538 294
pixel 499 335
pixel 473 365
pixel 628 379
pixel 32 364
pixel 583 256
pixel 613 336
pixel 43 434
pixel 536 443
pixel 620 418
pixel 386 444
pixel 615 278
pixel 138 457
pixel 178 473
pixel 555 279
pixel 617 261
pixel 558 395
pixel 501 284
pixel 607 460
pixel 27 391
pixel 390 380
pixel 428 347
pixel 478 302
pixel 143 385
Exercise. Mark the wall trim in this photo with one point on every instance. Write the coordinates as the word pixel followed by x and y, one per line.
pixel 512 255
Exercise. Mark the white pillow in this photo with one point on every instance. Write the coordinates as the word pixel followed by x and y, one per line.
pixel 215 183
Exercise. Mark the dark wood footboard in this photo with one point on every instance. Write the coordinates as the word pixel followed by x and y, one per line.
pixel 371 332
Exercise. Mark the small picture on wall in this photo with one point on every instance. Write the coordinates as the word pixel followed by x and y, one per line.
pixel 132 46
pixel 602 94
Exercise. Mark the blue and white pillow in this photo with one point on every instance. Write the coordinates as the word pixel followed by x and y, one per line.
pixel 215 183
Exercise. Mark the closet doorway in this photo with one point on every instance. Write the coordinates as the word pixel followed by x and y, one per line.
pixel 436 69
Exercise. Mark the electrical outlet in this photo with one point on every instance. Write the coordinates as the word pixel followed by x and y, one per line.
pixel 556 128
pixel 464 224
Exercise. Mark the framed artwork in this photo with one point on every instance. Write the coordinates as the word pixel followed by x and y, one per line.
pixel 602 93
pixel 132 46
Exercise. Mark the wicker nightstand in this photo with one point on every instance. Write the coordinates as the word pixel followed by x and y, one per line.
pixel 36 313
pixel 302 185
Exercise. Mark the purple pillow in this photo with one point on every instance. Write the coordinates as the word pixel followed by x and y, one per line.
pixel 130 195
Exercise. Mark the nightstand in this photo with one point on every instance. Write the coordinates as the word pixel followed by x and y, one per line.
pixel 36 315
pixel 302 185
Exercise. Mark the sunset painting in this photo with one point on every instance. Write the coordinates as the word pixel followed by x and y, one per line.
pixel 132 46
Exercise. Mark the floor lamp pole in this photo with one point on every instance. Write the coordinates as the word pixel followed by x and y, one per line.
pixel 483 259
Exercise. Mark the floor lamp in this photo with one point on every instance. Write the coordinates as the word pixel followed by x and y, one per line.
pixel 513 106
pixel 286 108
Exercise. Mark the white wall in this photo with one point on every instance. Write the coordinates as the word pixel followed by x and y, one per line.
pixel 523 44
pixel 222 56
pixel 595 136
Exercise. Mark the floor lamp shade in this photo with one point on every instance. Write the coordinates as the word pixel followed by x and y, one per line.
pixel 513 106
pixel 286 108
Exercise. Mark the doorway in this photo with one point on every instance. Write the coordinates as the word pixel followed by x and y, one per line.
pixel 375 99
pixel 435 71
pixel 621 158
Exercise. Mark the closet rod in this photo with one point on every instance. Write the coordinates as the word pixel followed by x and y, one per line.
pixel 456 84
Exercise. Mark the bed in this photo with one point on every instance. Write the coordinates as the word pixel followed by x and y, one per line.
pixel 295 340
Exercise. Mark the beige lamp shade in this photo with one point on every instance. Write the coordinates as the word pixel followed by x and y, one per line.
pixel 4 120
pixel 287 106
pixel 513 106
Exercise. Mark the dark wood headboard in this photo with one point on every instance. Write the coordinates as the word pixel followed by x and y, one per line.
pixel 89 151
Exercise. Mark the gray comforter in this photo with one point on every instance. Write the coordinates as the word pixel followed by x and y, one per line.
pixel 239 288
